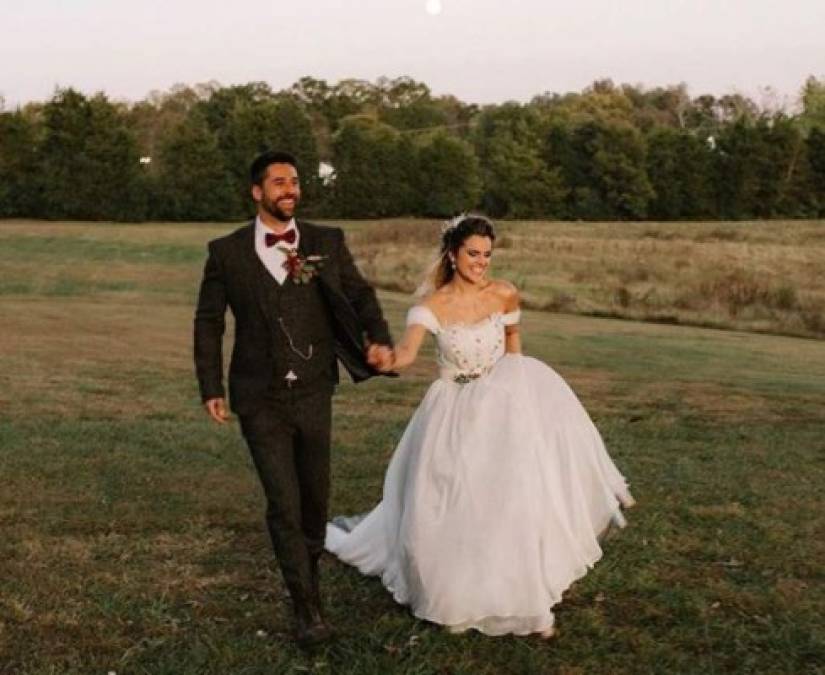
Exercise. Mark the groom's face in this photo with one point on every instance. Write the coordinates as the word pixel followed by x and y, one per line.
pixel 279 192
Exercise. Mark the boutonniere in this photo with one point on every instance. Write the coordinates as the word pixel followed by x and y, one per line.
pixel 299 268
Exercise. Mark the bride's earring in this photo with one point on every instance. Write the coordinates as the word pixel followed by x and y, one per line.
pixel 452 263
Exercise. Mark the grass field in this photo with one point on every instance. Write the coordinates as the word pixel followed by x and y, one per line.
pixel 133 536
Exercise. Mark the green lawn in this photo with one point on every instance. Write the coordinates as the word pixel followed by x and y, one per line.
pixel 133 537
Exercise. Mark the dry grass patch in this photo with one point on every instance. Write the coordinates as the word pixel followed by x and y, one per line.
pixel 720 404
pixel 73 356
pixel 754 276
pixel 731 510
pixel 760 276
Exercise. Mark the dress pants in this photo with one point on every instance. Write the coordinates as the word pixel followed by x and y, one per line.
pixel 289 439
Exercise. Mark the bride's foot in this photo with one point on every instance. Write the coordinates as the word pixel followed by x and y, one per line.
pixel 548 633
pixel 627 501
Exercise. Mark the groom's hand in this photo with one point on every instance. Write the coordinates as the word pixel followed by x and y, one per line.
pixel 216 407
pixel 380 357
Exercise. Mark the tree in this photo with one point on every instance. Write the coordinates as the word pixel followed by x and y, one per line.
pixel 407 104
pixel 603 163
pixel 679 166
pixel 658 107
pixel 785 170
pixel 153 118
pixel 335 103
pixel 816 156
pixel 813 105
pixel 735 179
pixel 192 181
pixel 448 177
pixel 762 169
pixel 517 181
pixel 218 107
pixel 21 180
pixel 702 117
pixel 607 152
pixel 602 100
pixel 90 160
pixel 374 170
pixel 735 107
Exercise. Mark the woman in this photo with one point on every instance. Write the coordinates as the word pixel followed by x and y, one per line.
pixel 497 493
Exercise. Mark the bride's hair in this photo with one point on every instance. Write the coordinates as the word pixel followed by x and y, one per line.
pixel 454 234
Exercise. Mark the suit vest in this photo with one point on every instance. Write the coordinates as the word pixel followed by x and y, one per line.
pixel 301 332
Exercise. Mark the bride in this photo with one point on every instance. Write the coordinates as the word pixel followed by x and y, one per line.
pixel 500 486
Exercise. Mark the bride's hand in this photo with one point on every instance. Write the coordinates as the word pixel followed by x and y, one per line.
pixel 380 357
pixel 386 360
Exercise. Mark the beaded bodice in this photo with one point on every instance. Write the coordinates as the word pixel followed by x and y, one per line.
pixel 465 351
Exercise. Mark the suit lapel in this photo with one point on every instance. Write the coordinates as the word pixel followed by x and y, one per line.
pixel 306 241
pixel 349 347
pixel 253 269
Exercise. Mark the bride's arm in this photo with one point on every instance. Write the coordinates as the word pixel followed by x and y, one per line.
pixel 407 349
pixel 512 338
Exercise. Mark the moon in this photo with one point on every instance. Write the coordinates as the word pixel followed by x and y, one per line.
pixel 433 7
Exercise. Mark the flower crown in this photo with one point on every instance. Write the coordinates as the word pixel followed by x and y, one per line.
pixel 453 223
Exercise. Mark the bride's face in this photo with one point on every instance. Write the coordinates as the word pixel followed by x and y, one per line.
pixel 472 260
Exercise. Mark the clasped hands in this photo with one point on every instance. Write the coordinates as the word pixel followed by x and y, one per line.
pixel 380 357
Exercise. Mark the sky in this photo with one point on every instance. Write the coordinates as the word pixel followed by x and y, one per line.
pixel 482 51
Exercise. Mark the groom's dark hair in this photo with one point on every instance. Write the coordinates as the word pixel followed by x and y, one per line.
pixel 257 170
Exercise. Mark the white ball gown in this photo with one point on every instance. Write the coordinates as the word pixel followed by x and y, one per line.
pixel 496 494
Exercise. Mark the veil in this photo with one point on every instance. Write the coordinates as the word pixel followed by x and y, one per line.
pixel 428 283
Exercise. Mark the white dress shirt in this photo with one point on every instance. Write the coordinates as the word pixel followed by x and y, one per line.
pixel 273 257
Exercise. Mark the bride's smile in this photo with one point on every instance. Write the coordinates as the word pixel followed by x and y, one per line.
pixel 472 260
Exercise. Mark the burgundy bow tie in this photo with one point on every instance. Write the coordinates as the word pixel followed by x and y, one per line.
pixel 271 238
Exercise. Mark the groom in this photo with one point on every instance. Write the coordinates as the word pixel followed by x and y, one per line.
pixel 300 305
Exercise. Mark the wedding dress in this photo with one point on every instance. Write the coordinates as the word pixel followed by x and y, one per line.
pixel 496 494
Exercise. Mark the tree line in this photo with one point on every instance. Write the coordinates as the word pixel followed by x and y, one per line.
pixel 609 152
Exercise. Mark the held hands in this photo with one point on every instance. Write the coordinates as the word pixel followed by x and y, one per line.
pixel 216 407
pixel 380 357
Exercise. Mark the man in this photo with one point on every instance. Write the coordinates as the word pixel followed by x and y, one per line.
pixel 300 305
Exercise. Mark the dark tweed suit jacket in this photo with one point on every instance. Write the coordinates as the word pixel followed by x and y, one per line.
pixel 231 279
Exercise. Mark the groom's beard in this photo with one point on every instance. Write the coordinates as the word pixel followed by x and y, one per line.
pixel 274 210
